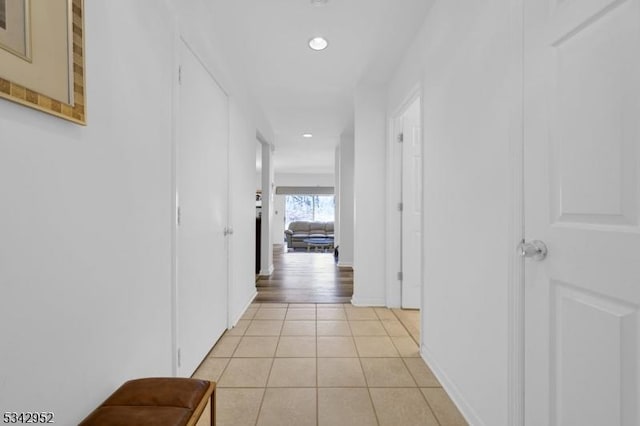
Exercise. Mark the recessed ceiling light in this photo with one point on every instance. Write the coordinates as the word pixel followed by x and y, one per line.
pixel 318 43
pixel 307 135
pixel 319 2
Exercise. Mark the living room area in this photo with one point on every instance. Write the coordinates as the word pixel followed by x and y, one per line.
pixel 305 252
pixel 301 218
pixel 309 223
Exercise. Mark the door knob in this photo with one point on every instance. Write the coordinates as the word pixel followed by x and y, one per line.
pixel 536 250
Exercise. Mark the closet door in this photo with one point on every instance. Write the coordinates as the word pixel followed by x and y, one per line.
pixel 202 199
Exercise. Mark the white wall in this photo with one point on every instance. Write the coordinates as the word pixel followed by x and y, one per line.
pixel 277 234
pixel 242 191
pixel 258 165
pixel 346 201
pixel 336 187
pixel 87 215
pixel 85 259
pixel 266 244
pixel 304 179
pixel 370 198
pixel 466 202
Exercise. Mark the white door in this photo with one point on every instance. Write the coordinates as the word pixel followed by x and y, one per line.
pixel 411 207
pixel 582 147
pixel 202 186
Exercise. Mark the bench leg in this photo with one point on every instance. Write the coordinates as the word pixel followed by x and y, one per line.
pixel 213 408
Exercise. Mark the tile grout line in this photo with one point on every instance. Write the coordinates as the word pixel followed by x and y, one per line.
pixel 234 351
pixel 404 362
pixel 264 394
pixel 317 386
pixel 412 376
pixel 429 405
pixel 419 390
pixel 406 329
pixel 225 334
pixel 366 382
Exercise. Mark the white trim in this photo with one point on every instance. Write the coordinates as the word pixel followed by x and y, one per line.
pixel 393 287
pixel 261 138
pixel 242 312
pixel 393 247
pixel 452 390
pixel 368 302
pixel 345 264
pixel 305 190
pixel 414 93
pixel 175 107
pixel 515 233
pixel 205 66
pixel 229 222
pixel 424 221
pixel 268 273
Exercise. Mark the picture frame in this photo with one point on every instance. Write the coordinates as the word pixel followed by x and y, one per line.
pixel 71 105
pixel 15 31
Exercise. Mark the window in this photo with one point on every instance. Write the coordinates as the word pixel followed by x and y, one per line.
pixel 312 208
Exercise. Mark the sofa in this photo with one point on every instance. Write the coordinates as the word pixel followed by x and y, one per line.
pixel 299 231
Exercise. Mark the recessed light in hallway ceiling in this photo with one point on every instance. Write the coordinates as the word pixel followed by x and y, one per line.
pixel 307 135
pixel 319 2
pixel 318 43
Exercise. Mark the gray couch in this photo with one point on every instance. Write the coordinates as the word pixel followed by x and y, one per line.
pixel 301 230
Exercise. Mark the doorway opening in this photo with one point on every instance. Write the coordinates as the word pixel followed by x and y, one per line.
pixel 305 269
pixel 405 210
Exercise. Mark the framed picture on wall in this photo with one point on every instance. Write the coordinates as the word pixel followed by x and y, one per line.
pixel 15 28
pixel 42 56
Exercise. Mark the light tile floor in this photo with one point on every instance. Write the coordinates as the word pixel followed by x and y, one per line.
pixel 325 364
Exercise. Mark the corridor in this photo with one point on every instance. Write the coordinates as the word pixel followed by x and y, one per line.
pixel 325 364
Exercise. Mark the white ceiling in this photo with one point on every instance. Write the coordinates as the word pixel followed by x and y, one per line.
pixel 301 90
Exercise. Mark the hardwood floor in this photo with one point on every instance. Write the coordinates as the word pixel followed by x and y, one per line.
pixel 302 277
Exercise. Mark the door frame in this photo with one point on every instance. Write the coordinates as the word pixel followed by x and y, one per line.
pixel 515 232
pixel 515 286
pixel 394 195
pixel 178 40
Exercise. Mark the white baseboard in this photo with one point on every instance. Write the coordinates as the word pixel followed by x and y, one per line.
pixel 345 264
pixel 368 302
pixel 452 390
pixel 244 309
pixel 268 273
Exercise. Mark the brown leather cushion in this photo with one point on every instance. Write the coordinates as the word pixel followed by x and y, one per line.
pixel 138 416
pixel 160 392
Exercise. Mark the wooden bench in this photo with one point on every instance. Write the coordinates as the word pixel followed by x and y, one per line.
pixel 168 401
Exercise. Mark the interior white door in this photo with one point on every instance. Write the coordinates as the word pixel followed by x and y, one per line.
pixel 202 187
pixel 582 146
pixel 411 207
